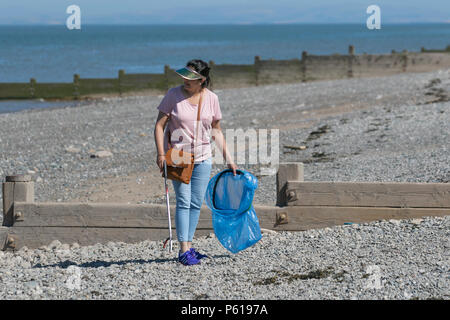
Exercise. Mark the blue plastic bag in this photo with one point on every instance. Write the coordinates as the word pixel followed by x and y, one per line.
pixel 234 219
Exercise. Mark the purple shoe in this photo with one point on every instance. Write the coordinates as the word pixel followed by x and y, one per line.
pixel 198 255
pixel 187 258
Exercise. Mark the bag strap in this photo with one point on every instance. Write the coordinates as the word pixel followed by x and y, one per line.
pixel 198 117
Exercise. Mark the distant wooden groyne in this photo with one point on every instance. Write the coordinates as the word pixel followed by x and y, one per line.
pixel 261 72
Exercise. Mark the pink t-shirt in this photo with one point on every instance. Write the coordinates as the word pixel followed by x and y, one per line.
pixel 183 118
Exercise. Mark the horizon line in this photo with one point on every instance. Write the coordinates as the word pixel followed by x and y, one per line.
pixel 62 23
pixel 221 24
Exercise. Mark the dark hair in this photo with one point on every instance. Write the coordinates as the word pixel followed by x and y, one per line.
pixel 201 67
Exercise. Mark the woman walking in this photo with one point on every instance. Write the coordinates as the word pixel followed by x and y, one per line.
pixel 178 109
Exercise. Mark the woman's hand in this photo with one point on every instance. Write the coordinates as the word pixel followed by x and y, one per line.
pixel 160 162
pixel 233 167
pixel 159 139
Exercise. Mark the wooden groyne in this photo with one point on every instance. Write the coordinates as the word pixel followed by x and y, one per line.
pixel 300 206
pixel 261 72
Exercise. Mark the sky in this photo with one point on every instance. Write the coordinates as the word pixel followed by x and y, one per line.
pixel 53 12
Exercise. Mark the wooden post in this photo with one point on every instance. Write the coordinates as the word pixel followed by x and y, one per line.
pixel 121 75
pixel 351 50
pixel 4 240
pixel 288 171
pixel 417 195
pixel 76 86
pixel 257 65
pixel 166 74
pixel 304 56
pixel 16 188
pixel 211 66
pixel 32 87
pixel 351 53
pixel 405 60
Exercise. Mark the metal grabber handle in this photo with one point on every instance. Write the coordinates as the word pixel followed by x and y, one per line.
pixel 168 210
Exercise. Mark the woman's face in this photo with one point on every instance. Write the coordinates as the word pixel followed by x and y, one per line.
pixel 192 86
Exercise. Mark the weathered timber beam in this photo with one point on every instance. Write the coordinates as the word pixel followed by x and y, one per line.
pixel 368 194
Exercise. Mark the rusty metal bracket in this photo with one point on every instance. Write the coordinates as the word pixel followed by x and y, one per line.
pixel 291 195
pixel 281 218
pixel 18 216
pixel 10 242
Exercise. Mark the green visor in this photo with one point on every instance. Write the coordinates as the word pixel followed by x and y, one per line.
pixel 189 74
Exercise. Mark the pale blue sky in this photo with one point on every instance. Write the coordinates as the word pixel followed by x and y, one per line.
pixel 13 12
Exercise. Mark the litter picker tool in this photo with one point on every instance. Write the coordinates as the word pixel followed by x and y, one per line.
pixel 168 210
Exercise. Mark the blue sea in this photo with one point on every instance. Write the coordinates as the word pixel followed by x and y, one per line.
pixel 55 53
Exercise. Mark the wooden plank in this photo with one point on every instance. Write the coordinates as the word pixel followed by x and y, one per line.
pixel 298 219
pixel 369 194
pixel 154 216
pixel 35 237
pixel 314 217
pixel 15 191
pixel 118 215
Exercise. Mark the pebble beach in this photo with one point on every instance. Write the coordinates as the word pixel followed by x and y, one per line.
pixel 397 259
pixel 394 128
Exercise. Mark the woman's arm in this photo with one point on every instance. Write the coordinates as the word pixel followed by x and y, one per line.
pixel 218 137
pixel 159 139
